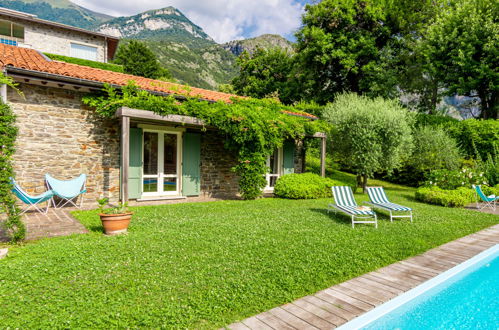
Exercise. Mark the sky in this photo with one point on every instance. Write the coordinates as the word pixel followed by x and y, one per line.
pixel 223 20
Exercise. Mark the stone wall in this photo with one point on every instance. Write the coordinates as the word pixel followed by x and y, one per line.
pixel 51 39
pixel 217 178
pixel 58 135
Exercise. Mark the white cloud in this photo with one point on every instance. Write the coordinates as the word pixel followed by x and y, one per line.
pixel 223 20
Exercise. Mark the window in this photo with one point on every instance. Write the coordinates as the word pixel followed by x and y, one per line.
pixel 11 33
pixel 274 168
pixel 84 52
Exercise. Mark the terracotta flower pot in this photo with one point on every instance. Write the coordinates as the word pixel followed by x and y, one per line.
pixel 115 224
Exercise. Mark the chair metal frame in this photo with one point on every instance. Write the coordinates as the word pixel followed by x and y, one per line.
pixel 28 199
pixel 492 204
pixel 379 206
pixel 64 200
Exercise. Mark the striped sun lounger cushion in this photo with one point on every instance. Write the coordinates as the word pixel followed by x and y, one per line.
pixel 353 210
pixel 343 196
pixel 378 197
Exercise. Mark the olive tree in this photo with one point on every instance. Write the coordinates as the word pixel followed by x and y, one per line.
pixel 370 135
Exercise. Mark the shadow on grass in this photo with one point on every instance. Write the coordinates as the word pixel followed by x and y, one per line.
pixel 335 216
pixel 95 228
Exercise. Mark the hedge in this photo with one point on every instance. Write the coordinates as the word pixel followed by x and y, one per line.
pixel 304 186
pixel 472 135
pixel 92 64
pixel 459 197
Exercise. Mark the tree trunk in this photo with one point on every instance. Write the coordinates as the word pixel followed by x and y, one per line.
pixel 359 180
pixel 489 105
pixel 433 98
pixel 364 183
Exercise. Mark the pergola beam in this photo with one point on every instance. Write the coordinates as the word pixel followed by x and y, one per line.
pixel 125 156
pixel 323 156
pixel 149 115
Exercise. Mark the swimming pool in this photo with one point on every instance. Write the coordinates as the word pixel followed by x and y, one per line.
pixel 464 297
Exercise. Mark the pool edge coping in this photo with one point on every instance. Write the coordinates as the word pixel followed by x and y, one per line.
pixel 387 307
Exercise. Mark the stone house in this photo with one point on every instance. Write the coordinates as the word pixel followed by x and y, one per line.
pixel 28 31
pixel 138 155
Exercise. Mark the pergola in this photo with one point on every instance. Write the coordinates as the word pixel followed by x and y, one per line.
pixel 126 114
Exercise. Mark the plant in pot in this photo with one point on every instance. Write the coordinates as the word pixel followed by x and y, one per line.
pixel 115 219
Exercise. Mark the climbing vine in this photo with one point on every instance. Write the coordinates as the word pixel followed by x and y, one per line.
pixel 254 128
pixel 8 133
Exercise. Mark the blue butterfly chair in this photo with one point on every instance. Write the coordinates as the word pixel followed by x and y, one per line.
pixel 67 190
pixel 32 201
pixel 488 201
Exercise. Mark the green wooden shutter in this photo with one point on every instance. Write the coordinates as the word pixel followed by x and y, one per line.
pixel 135 164
pixel 191 167
pixel 288 151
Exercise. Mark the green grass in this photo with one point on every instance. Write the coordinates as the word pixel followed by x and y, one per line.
pixel 205 265
pixel 89 63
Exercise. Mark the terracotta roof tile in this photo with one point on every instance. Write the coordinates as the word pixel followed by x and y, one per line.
pixel 31 59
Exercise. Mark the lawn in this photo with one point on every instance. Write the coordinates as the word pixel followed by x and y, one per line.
pixel 205 265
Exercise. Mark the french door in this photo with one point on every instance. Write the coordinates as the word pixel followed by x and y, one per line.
pixel 161 163
pixel 274 165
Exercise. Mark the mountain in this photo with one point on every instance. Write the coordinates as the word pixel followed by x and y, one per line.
pixel 166 24
pixel 61 11
pixel 184 48
pixel 265 41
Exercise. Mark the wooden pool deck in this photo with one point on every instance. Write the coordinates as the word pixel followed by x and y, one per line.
pixel 332 307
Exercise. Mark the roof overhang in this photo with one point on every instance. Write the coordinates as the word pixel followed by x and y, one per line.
pixel 141 115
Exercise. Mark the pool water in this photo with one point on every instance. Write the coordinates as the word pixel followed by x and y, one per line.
pixel 468 300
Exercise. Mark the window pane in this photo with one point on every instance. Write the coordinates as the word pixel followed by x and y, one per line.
pixel 274 163
pixel 5 28
pixel 150 153
pixel 150 185
pixel 18 31
pixel 170 184
pixel 84 52
pixel 170 154
pixel 272 181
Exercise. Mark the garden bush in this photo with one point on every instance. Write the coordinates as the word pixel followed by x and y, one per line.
pixel 476 137
pixel 304 186
pixel 434 149
pixel 472 135
pixel 446 179
pixel 454 198
pixel 423 119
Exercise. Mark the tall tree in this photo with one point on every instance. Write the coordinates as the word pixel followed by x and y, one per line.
pixel 461 49
pixel 139 60
pixel 263 73
pixel 340 48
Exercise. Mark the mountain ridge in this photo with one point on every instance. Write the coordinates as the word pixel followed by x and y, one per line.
pixel 265 41
pixel 61 11
pixel 183 47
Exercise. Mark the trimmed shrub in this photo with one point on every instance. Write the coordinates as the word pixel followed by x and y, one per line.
pixel 304 186
pixel 459 197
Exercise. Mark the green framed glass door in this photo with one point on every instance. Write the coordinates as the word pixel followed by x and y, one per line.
pixel 161 163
